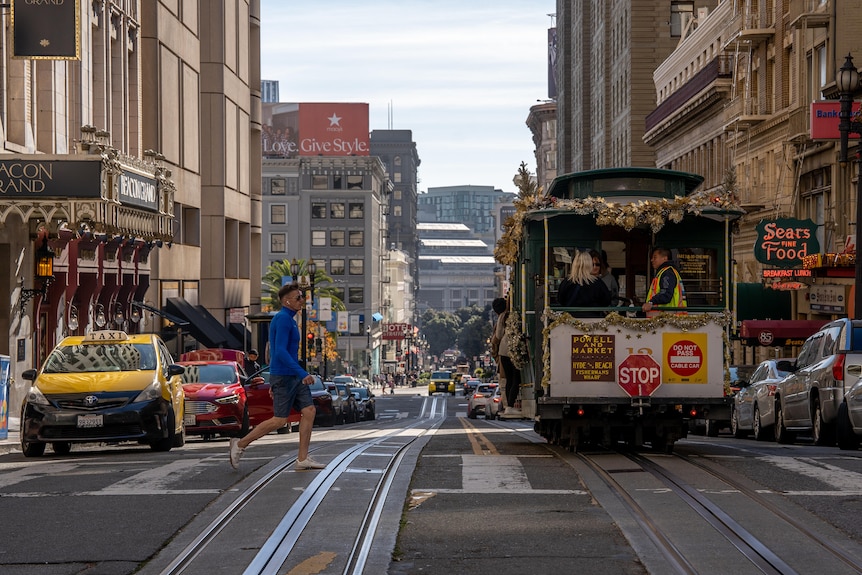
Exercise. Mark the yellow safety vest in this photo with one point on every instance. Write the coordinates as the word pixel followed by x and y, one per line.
pixel 678 299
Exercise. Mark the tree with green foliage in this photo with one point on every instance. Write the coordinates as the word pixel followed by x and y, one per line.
pixel 440 330
pixel 271 283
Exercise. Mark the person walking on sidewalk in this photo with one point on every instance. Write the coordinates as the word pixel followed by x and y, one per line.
pixel 288 382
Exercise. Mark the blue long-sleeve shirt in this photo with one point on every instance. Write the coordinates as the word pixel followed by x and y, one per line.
pixel 284 345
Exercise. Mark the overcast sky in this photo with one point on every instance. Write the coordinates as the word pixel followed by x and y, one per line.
pixel 461 75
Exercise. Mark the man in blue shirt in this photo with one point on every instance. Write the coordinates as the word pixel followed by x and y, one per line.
pixel 288 381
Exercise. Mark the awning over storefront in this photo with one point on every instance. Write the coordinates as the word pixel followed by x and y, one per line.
pixel 202 325
pixel 778 332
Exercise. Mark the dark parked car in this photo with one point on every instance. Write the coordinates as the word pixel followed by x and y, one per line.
pixel 350 413
pixel 366 402
pixel 319 394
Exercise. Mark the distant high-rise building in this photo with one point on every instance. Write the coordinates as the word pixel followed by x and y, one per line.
pixel 474 206
pixel 269 91
pixel 397 150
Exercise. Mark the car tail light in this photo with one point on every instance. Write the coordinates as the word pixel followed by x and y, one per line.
pixel 771 387
pixel 496 400
pixel 838 367
pixel 580 412
pixel 693 412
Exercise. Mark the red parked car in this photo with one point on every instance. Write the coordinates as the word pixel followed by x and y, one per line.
pixel 220 400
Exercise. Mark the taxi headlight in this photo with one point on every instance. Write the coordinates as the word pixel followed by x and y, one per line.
pixel 36 397
pixel 230 399
pixel 150 393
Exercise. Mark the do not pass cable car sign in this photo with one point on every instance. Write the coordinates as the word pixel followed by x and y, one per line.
pixel 639 375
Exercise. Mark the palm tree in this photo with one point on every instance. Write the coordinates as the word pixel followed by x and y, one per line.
pixel 271 282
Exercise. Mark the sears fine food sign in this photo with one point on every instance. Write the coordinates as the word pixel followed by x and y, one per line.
pixel 783 242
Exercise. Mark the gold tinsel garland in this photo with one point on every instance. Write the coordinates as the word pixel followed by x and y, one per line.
pixel 516 340
pixel 654 212
pixel 686 322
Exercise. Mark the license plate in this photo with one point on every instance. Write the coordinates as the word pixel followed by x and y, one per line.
pixel 189 419
pixel 90 421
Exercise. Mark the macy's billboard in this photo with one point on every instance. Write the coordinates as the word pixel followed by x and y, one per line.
pixel 314 129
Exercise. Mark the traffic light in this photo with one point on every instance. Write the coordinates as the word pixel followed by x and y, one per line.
pixel 318 345
pixel 310 337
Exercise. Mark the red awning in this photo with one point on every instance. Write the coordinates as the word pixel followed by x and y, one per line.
pixel 779 331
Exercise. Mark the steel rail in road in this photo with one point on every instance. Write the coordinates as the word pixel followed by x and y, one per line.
pixel 835 550
pixel 747 544
pixel 274 552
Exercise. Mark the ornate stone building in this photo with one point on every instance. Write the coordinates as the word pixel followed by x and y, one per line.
pixel 131 161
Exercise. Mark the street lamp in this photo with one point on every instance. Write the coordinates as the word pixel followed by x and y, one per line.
pixel 305 282
pixel 848 83
pixel 43 272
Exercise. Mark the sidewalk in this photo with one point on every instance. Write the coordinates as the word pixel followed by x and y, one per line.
pixel 11 442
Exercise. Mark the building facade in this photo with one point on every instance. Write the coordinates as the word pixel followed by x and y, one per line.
pixel 397 150
pixel 111 146
pixel 606 55
pixel 734 104
pixel 332 210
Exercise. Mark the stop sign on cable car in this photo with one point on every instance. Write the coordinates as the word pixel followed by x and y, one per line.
pixel 639 375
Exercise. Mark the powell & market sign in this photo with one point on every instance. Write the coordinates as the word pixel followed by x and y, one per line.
pixel 783 242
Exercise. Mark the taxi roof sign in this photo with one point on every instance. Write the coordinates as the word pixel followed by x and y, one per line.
pixel 105 335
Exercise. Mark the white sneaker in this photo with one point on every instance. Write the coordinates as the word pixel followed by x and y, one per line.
pixel 309 463
pixel 235 452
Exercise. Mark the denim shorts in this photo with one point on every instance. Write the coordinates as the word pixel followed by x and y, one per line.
pixel 288 391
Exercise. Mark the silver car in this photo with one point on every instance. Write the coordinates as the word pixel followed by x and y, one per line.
pixel 850 417
pixel 808 399
pixel 754 403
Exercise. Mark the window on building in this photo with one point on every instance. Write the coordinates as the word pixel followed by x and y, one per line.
pixel 397 161
pixel 336 238
pixel 396 195
pixel 318 210
pixel 356 294
pixel 276 186
pixel 336 210
pixel 681 14
pixel 336 267
pixel 318 237
pixel 337 182
pixel 356 238
pixel 357 210
pixel 277 243
pixel 338 292
pixel 277 214
pixel 357 267
pixel 354 182
pixel 396 177
pixel 396 211
pixel 319 182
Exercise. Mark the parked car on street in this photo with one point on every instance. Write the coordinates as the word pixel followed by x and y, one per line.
pixel 808 399
pixel 366 403
pixel 106 386
pixel 216 401
pixel 350 413
pixel 850 418
pixel 477 401
pixel 259 383
pixel 753 408
pixel 494 403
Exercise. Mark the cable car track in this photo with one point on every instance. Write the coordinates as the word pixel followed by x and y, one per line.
pixel 275 550
pixel 757 553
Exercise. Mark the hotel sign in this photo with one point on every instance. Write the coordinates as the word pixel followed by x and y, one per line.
pixel 46 29
pixel 39 179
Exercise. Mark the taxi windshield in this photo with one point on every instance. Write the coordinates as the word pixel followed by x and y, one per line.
pixel 101 357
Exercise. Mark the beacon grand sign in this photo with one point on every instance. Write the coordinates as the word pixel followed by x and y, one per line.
pixel 40 179
pixel 783 242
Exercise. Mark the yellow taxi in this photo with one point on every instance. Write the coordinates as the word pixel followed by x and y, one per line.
pixel 441 382
pixel 107 386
